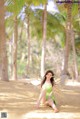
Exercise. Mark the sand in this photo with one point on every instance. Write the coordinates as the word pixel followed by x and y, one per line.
pixel 18 100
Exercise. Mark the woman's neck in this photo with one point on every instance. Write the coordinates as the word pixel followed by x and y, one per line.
pixel 48 81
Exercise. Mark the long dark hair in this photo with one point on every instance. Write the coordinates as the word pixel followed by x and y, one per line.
pixel 51 80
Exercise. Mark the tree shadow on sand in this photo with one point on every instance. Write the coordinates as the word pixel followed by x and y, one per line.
pixel 19 99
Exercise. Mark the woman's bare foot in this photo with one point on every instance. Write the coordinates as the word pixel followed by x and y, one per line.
pixel 56 111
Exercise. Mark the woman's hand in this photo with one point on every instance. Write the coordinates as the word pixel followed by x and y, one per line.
pixel 41 96
pixel 37 105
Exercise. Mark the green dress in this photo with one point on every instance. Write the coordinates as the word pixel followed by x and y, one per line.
pixel 49 91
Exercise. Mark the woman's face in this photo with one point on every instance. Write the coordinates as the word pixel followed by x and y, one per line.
pixel 49 75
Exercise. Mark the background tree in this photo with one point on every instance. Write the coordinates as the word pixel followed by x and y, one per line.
pixel 55 34
pixel 71 11
pixel 68 38
pixel 3 52
pixel 14 7
pixel 44 21
pixel 15 40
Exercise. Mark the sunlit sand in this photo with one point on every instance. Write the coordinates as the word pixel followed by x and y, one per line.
pixel 18 99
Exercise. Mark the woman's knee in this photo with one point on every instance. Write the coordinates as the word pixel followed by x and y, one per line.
pixel 50 101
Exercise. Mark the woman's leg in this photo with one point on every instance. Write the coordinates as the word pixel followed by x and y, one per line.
pixel 52 104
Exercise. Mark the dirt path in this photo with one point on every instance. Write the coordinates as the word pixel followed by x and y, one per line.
pixel 17 100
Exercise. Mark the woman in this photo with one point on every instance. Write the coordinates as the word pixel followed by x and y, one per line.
pixel 46 96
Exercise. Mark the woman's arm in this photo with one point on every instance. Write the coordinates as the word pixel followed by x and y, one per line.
pixel 42 94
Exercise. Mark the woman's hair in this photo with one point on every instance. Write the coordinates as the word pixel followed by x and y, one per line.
pixel 51 80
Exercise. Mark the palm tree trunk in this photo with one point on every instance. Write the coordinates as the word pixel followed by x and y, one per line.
pixel 3 52
pixel 68 40
pixel 79 14
pixel 44 40
pixel 15 38
pixel 29 45
pixel 74 57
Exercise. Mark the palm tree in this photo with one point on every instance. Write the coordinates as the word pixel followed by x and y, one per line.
pixel 14 7
pixel 44 40
pixel 68 38
pixel 74 49
pixel 79 14
pixel 15 39
pixel 28 14
pixel 3 53
pixel 74 56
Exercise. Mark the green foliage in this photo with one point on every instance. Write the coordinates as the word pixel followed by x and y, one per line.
pixel 77 43
pixel 21 68
pixel 55 28
pixel 38 2
pixel 14 6
pixel 9 27
pixel 35 2
pixel 78 60
pixel 36 20
pixel 55 31
pixel 74 9
pixel 76 25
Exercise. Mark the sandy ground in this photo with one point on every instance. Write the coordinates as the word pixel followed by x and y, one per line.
pixel 18 99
